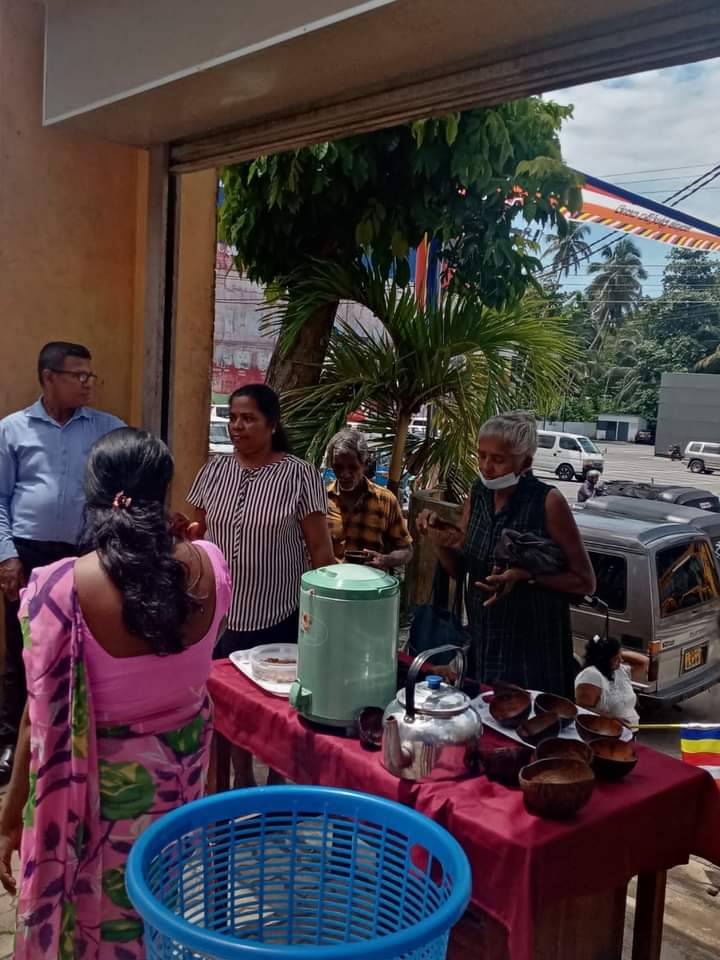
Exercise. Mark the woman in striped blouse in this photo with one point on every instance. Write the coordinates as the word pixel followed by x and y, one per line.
pixel 266 510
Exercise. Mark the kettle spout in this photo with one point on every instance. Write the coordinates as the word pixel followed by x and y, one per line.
pixel 395 757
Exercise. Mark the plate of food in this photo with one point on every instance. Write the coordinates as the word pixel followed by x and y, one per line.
pixel 272 666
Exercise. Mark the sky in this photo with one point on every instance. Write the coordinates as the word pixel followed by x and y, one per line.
pixel 651 133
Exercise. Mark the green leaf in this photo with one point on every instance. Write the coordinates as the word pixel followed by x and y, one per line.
pixel 119 732
pixel 79 723
pixel 418 132
pixel 66 949
pixel 113 884
pixel 29 808
pixel 402 273
pixel 187 739
pixel 452 125
pixel 121 931
pixel 126 790
pixel 399 245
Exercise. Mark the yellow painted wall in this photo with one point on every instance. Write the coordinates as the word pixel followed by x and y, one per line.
pixel 69 233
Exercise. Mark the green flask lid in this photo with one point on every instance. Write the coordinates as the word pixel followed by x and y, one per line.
pixel 350 581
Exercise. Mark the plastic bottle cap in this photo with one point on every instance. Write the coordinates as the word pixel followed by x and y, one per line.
pixel 434 681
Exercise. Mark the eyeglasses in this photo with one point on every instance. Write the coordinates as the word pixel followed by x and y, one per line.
pixel 82 376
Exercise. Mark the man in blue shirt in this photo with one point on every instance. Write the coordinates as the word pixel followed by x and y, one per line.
pixel 43 450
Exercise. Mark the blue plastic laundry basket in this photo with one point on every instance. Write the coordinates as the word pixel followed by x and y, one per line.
pixel 297 872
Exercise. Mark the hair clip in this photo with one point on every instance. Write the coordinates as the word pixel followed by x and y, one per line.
pixel 121 502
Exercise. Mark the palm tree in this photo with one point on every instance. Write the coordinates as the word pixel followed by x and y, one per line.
pixel 568 252
pixel 468 362
pixel 617 289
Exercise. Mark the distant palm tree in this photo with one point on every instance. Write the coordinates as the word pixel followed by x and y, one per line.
pixel 465 360
pixel 616 291
pixel 568 252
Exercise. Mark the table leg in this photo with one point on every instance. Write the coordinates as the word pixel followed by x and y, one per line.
pixel 219 772
pixel 649 911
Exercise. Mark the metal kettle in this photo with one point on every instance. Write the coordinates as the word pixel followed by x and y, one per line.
pixel 431 730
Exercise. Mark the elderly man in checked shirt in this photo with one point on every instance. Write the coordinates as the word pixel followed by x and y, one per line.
pixel 362 516
pixel 43 450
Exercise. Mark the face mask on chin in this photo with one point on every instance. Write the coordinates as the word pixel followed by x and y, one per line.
pixel 500 483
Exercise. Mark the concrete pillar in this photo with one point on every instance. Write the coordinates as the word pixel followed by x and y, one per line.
pixel 193 328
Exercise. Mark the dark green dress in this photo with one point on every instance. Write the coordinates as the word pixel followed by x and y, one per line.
pixel 525 638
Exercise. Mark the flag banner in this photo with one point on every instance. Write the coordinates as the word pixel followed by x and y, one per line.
pixel 618 209
pixel 700 746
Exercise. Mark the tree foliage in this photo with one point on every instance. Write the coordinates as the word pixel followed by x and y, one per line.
pixel 379 193
pixel 569 252
pixel 465 360
pixel 624 359
pixel 616 289
pixel 376 195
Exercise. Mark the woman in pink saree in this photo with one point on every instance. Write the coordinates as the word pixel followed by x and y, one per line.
pixel 118 648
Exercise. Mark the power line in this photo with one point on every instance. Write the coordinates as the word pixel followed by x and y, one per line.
pixel 673 197
pixel 677 198
pixel 626 173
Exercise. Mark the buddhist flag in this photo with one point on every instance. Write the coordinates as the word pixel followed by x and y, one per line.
pixel 618 209
pixel 700 745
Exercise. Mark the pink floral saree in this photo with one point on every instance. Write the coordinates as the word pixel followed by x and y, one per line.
pixel 93 789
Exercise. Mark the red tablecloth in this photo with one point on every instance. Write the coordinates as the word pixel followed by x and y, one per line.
pixel 663 812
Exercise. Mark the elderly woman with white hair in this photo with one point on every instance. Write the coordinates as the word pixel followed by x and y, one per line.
pixel 520 622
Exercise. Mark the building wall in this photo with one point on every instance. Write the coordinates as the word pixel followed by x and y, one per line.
pixel 72 233
pixel 241 351
pixel 68 232
pixel 689 409
pixel 582 428
pixel 608 426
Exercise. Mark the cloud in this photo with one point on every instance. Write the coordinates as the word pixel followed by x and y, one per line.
pixel 647 121
pixel 662 118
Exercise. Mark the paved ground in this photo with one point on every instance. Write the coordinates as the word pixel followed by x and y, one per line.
pixel 629 461
pixel 692 914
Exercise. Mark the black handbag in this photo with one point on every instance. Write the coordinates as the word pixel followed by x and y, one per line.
pixel 537 555
pixel 433 625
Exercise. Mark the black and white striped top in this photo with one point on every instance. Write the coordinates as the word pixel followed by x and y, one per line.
pixel 255 516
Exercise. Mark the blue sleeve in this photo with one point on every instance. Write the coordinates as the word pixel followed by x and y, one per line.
pixel 8 475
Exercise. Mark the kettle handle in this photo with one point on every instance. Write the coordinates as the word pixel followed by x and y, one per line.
pixel 417 665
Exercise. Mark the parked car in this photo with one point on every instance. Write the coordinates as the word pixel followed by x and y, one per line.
pixel 568 455
pixel 702 457
pixel 707 521
pixel 660 582
pixel 219 411
pixel 220 441
pixel 683 496
pixel 645 436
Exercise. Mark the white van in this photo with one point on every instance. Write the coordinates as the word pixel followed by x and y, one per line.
pixel 568 455
pixel 219 438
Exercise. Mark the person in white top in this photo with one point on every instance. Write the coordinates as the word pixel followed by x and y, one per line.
pixel 605 685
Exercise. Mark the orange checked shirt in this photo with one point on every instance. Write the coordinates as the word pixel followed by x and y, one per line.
pixel 376 522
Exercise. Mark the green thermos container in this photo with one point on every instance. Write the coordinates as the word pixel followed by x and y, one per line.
pixel 347 643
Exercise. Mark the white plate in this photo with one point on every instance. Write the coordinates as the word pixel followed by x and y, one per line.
pixel 241 660
pixel 482 707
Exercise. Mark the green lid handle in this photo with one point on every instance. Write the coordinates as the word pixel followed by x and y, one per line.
pixel 388 591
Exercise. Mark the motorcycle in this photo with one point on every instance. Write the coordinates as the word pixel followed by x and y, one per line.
pixel 674 451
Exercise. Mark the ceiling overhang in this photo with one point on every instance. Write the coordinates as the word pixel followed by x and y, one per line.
pixel 220 85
